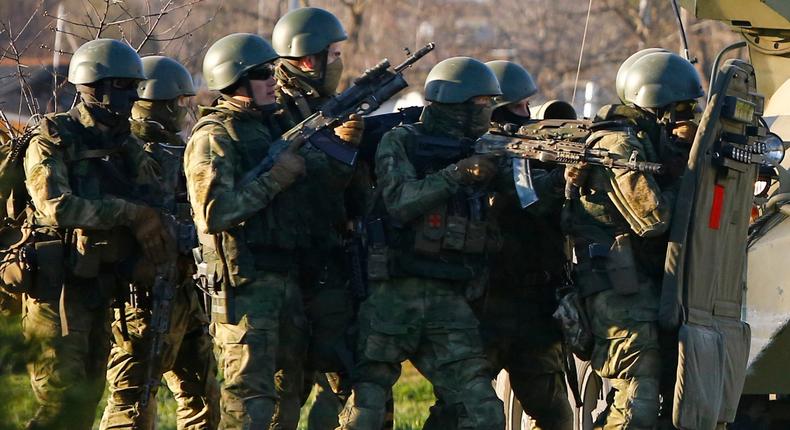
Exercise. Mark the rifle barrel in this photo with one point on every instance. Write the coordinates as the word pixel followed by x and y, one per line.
pixel 411 59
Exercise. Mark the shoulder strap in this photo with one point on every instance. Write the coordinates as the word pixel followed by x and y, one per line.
pixel 299 100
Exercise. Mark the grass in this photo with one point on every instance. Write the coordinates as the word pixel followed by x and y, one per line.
pixel 413 394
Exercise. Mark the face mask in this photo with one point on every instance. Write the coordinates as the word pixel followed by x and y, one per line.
pixel 111 106
pixel 165 112
pixel 325 82
pixel 469 118
pixel 503 115
pixel 179 115
pixel 331 80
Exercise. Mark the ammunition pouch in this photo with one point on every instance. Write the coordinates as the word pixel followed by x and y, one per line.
pixel 218 293
pixel 48 266
pixel 94 248
pixel 603 266
pixel 575 325
pixel 622 266
pixel 437 232
pixel 15 257
pixel 378 250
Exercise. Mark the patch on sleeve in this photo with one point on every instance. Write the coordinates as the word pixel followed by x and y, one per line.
pixel 639 192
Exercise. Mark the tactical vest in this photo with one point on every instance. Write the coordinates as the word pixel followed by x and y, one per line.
pixel 608 253
pixel 327 197
pixel 270 239
pixel 451 241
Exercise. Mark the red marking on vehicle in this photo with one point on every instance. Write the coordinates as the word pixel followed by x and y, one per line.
pixel 715 209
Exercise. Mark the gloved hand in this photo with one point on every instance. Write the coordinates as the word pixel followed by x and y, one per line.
pixel 151 234
pixel 476 168
pixel 685 131
pixel 351 130
pixel 287 169
pixel 576 174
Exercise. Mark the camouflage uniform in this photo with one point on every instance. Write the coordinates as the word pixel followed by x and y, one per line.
pixel 421 312
pixel 187 360
pixel 80 206
pixel 323 271
pixel 260 230
pixel 619 231
pixel 516 324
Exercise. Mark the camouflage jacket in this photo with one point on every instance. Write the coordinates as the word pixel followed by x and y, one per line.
pixel 618 202
pixel 67 188
pixel 256 219
pixel 428 231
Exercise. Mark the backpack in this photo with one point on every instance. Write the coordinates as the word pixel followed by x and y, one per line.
pixel 15 213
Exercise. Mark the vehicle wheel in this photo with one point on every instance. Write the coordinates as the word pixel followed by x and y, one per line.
pixel 593 393
pixel 515 418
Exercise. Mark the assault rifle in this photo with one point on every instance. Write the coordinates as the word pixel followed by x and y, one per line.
pixel 560 142
pixel 376 85
pixel 159 301
pixel 517 144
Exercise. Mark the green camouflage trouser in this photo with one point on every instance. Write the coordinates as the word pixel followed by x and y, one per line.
pixel 188 367
pixel 260 356
pixel 627 352
pixel 520 336
pixel 68 372
pixel 430 323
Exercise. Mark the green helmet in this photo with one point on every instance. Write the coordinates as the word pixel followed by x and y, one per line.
pixel 514 80
pixel 622 72
pixel 659 79
pixel 232 56
pixel 458 79
pixel 166 79
pixel 104 58
pixel 306 31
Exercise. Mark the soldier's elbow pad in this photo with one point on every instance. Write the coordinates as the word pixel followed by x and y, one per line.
pixel 644 223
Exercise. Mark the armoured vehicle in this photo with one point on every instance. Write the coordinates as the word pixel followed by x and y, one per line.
pixel 758 292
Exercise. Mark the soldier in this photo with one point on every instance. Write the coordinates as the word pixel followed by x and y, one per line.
pixel 516 324
pixel 619 231
pixel 517 327
pixel 84 175
pixel 249 232
pixel 186 360
pixel 432 208
pixel 309 42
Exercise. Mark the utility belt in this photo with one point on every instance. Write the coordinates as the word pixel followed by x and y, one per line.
pixel 42 259
pixel 603 266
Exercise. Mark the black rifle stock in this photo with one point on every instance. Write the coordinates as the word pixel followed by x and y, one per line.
pixel 376 85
